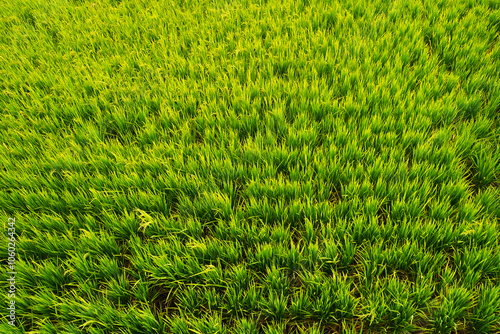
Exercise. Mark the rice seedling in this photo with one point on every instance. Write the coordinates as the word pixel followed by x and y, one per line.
pixel 483 316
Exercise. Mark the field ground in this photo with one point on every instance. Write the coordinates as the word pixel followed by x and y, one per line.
pixel 251 166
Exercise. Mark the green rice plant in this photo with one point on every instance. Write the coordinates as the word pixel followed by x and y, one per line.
pixel 480 261
pixel 209 251
pixel 470 278
pixel 468 212
pixel 365 230
pixel 380 189
pixel 429 263
pixel 465 141
pixel 176 270
pixel 263 257
pixel 468 106
pixel 376 309
pixel 401 257
pixel 274 306
pixel 341 210
pixel 310 233
pixel 44 304
pixel 447 275
pixel 335 300
pixel 488 200
pixel 392 193
pixel 398 209
pixel 365 190
pixel 294 258
pixel 347 304
pixel 248 326
pixel 189 301
pixel 484 316
pixel 487 169
pixel 348 253
pixel 453 306
pixel 83 266
pixel 212 298
pixel 228 230
pixel 123 228
pixel 50 328
pixel 327 299
pixel 351 328
pixel 439 211
pixel 455 192
pixel 423 290
pixel 437 236
pixel 415 209
pixel 481 127
pixel 276 281
pixel 263 209
pixel 252 299
pixel 404 230
pixel 401 308
pixel 106 244
pixel 118 290
pixel 53 276
pixel 319 212
pixel 311 257
pixel 140 256
pixel 373 264
pixel 178 325
pixel 71 329
pixel 312 329
pixel 324 305
pixel 140 290
pixel 240 277
pixel 300 306
pixel 442 156
pixel 149 323
pixel 330 256
pixel 255 232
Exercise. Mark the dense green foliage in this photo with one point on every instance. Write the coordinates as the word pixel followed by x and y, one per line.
pixel 252 166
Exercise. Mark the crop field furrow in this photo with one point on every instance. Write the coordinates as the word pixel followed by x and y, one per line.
pixel 255 167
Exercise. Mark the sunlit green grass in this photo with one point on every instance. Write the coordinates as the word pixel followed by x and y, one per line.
pixel 252 166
